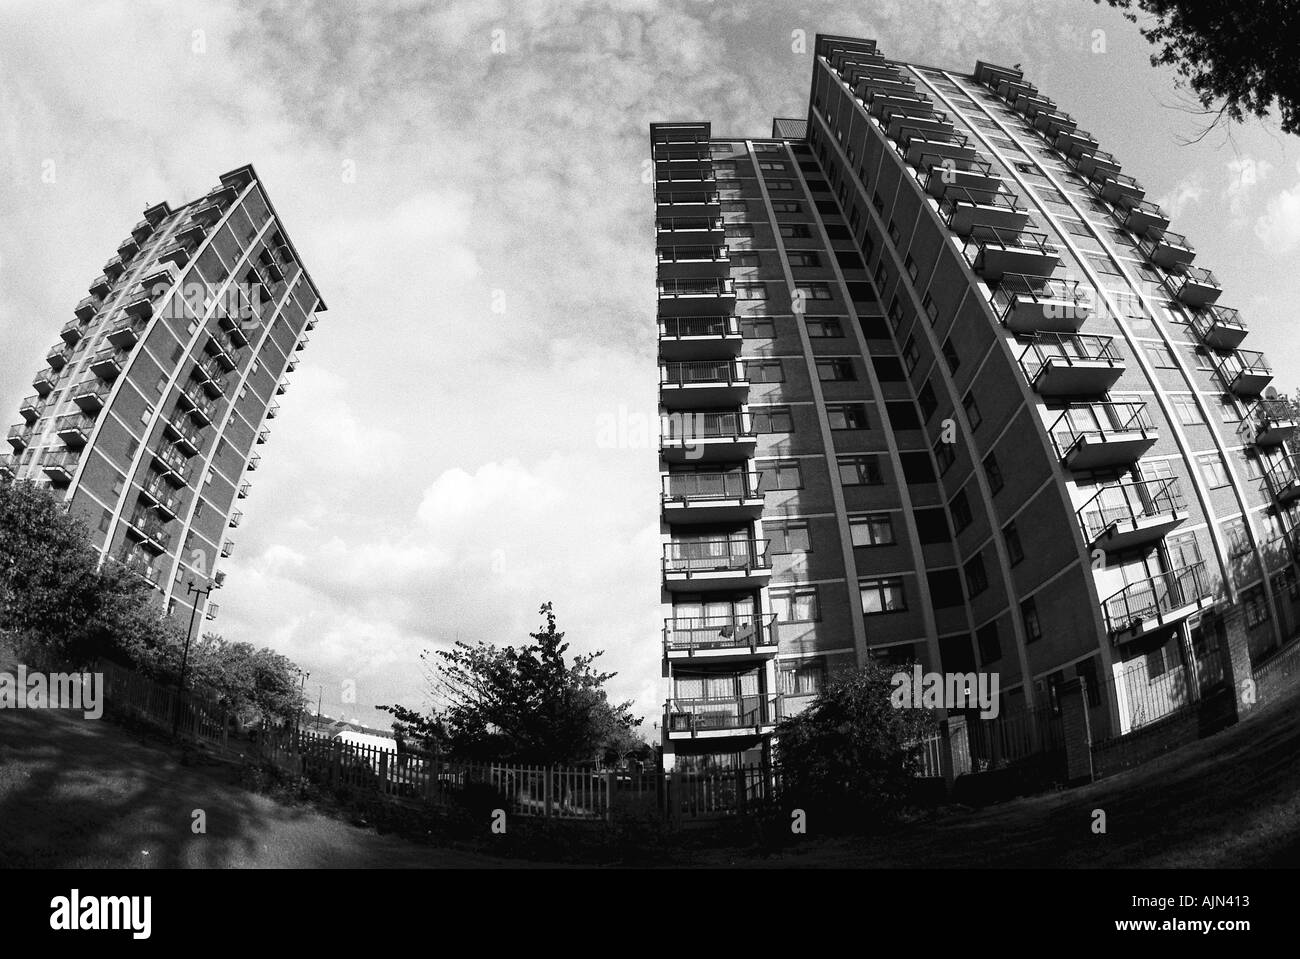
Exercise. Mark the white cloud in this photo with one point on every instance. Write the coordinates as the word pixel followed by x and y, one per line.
pixel 1185 195
pixel 1279 226
pixel 1245 174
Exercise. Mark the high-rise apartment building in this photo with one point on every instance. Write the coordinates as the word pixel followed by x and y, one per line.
pixel 939 383
pixel 159 393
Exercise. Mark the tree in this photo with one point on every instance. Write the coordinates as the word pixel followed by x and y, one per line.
pixel 522 704
pixel 849 758
pixel 1238 58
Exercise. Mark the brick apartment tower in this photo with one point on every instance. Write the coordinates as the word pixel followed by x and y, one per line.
pixel 158 392
pixel 939 383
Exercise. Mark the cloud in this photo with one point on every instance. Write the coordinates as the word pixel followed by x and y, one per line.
pixel 1279 226
pixel 1245 174
pixel 1186 194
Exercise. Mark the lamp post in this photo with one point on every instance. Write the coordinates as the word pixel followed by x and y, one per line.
pixel 185 656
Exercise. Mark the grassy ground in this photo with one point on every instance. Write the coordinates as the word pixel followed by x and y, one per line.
pixel 83 793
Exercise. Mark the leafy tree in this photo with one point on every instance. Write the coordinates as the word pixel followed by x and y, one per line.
pixel 1238 58
pixel 524 704
pixel 848 758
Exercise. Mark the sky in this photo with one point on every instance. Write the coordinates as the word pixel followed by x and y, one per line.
pixel 472 430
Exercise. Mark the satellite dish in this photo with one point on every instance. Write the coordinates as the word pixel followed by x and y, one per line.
pixel 1270 393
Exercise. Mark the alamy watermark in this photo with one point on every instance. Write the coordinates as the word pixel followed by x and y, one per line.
pixel 918 690
pixel 37 690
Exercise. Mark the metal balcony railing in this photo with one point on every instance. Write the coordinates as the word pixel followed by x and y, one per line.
pixel 1214 320
pixel 715 555
pixel 1068 349
pixel 955 197
pixel 985 237
pixel 939 166
pixel 91 394
pixel 1129 502
pixel 701 633
pixel 1283 477
pixel 1166 239
pixel 1104 420
pixel 1196 274
pixel 1156 597
pixel 687 197
pixel 683 327
pixel 702 372
pixel 151 527
pixel 693 254
pixel 61 461
pixel 1243 363
pixel 738 712
pixel 20 437
pixel 157 490
pixel 172 459
pixel 75 428
pixel 705 286
pixel 709 487
pixel 706 426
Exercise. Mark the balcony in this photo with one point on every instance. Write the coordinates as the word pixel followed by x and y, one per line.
pixel 236 518
pixel 140 564
pixel 176 253
pixel 978 182
pixel 952 147
pixel 1219 327
pixel 1146 219
pixel 219 579
pixel 254 462
pixel 91 397
pixel 235 330
pixel 227 548
pixel 58 355
pixel 1071 364
pixel 1283 479
pixel 920 122
pixel 225 355
pixel 1271 422
pixel 108 363
pixel 690 230
pixel 206 214
pixel 302 342
pixel 992 253
pixel 883 105
pixel 244 489
pixel 1032 104
pixel 1155 603
pixel 191 235
pixel 45 382
pixel 187 437
pixel 731 496
pixel 706 437
pixel 698 179
pixel 211 377
pixel 716 563
pixel 992 75
pixel 1130 514
pixel 702 383
pixel 1122 190
pixel 1091 436
pixel 263 436
pixel 114 268
pixel 213 610
pixel 1198 287
pixel 675 203
pixel 159 495
pixel 20 437
pixel 965 211
pixel 868 87
pixel 1010 89
pixel 128 249
pixel 281 388
pixel 717 718
pixel 1053 123
pixel 75 429
pixel 273 411
pixel 1076 143
pixel 86 308
pixel 172 464
pixel 720 638
pixel 100 286
pixel 695 337
pixel 31 408
pixel 682 297
pixel 1093 163
pixel 150 530
pixel 126 334
pixel 142 231
pixel 1170 250
pixel 73 331
pixel 195 402
pixel 694 262
pixel 60 467
pixel 222 195
pixel 1034 304
pixel 1245 372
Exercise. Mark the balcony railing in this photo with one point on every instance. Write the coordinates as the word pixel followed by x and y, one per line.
pixel 153 530
pixel 75 429
pixel 685 427
pixel 964 210
pixel 1168 250
pixel 1283 478
pixel 715 555
pixel 73 331
pixel 174 462
pixel 704 634
pixel 1098 423
pixel 86 307
pixel 197 403
pixel 1158 599
pixel 704 286
pixel 60 466
pixel 702 372
pixel 58 355
pixel 993 252
pixel 91 396
pixel 160 495
pixel 31 408
pixel 107 364
pixel 690 225
pixel 1245 372
pixel 20 437
pixel 187 435
pixel 691 327
pixel 1220 327
pixel 739 713
pixel 45 381
pixel 227 548
pixel 1130 505
pixel 1077 362
pixel 1198 287
pixel 1270 422
pixel 688 488
pixel 1146 218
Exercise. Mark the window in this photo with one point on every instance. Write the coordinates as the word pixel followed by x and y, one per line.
pixel 771 165
pixel 757 329
pixel 1238 538
pixel 735 206
pixel 824 328
pixel 783 474
pixel 847 416
pixel 782 185
pixel 950 355
pixel 786 206
pixel 794 231
pixel 1256 606
pixel 1213 471
pixel 745 259
pixel 972 411
pixel 1160 356
pixel 146 414
pixel 796 605
pixel 910 266
pixel 859 470
pixel 805 679
pixel 837 368
pixel 1029 614
pixel 1189 413
pixel 959 506
pixel 931 308
pixel 926 399
pixel 882 596
pixel 105 518
pixel 1015 552
pixel 986 639
pixel 812 291
pixel 911 354
pixel 788 537
pixel 764 371
pixel 872 529
pixel 804 258
pixel 944 455
pixel 894 233
pixel 994 473
pixel 751 291
pixel 773 419
pixel 977 578
pixel 160 385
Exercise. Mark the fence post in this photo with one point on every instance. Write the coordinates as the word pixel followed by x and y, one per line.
pixel 1076 730
pixel 954 750
pixel 611 785
pixel 336 763
pixel 383 772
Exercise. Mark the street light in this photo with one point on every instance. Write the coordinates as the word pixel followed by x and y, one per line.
pixel 185 656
